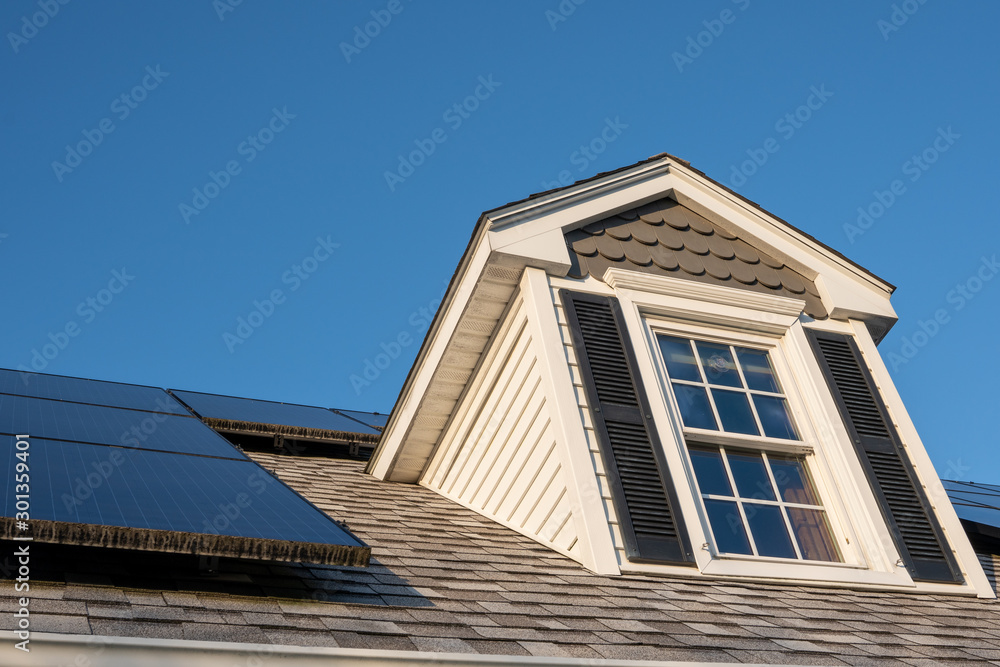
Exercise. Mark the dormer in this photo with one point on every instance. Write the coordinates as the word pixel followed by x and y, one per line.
pixel 648 373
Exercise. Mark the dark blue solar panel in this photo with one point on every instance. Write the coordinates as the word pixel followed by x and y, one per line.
pixel 373 419
pixel 111 486
pixel 212 406
pixel 975 502
pixel 62 420
pixel 96 392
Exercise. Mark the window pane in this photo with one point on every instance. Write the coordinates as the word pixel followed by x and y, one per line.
pixel 757 369
pixel 695 409
pixel 751 476
pixel 793 484
pixel 734 411
pixel 717 361
pixel 774 417
pixel 727 527
pixel 679 357
pixel 769 531
pixel 812 534
pixel 710 471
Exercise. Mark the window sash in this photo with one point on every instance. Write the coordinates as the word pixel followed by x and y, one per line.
pixel 741 501
pixel 708 386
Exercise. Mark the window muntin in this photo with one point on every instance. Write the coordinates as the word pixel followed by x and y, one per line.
pixel 758 503
pixel 720 387
pixel 761 504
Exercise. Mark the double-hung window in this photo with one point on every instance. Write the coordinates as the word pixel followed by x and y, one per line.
pixel 759 500
pixel 719 447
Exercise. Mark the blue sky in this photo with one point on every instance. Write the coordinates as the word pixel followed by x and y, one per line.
pixel 222 152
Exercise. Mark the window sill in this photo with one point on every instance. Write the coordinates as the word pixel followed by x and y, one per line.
pixel 751 560
pixel 802 573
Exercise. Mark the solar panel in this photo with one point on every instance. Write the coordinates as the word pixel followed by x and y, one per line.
pixel 62 420
pixel 106 475
pixel 979 503
pixel 96 392
pixel 110 486
pixel 212 406
pixel 372 419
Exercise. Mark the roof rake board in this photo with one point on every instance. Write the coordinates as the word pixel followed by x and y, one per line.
pixel 172 484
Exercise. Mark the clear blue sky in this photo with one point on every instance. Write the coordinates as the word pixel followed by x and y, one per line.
pixel 329 121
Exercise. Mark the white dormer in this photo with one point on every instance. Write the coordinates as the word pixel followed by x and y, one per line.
pixel 648 373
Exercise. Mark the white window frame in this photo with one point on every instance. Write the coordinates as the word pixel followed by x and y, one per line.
pixel 660 304
pixel 805 446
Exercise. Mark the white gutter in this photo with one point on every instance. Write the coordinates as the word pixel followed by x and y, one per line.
pixel 89 650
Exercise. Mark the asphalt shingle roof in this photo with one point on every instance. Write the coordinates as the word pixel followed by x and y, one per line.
pixel 445 579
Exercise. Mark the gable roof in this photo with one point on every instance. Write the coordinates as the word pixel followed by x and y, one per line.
pixel 445 579
pixel 688 165
pixel 530 232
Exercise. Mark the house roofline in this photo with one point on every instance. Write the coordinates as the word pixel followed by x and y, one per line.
pixel 482 227
pixel 67 649
pixel 685 163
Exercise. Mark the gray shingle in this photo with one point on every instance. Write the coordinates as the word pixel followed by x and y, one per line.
pixel 224 633
pixel 442 645
pixel 475 586
pixel 128 628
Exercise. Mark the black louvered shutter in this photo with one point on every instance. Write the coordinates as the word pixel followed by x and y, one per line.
pixel 643 493
pixel 904 505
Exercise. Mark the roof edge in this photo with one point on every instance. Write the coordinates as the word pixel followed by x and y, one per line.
pixel 259 428
pixel 199 544
pixel 66 648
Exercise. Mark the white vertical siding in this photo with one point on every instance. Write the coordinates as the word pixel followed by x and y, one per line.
pixel 499 455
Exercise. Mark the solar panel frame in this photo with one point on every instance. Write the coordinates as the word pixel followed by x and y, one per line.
pixel 104 425
pixel 93 392
pixel 372 419
pixel 149 490
pixel 979 503
pixel 257 411
pixel 161 480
